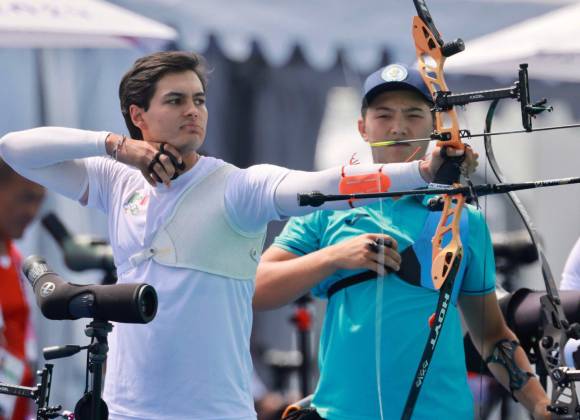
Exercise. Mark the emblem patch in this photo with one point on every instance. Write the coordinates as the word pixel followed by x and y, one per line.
pixel 137 203
pixel 394 73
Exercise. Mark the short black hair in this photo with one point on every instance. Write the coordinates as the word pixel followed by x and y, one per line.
pixel 138 85
pixel 6 172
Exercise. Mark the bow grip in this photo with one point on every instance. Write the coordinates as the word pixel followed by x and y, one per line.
pixel 450 170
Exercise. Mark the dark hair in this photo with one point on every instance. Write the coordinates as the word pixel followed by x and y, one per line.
pixel 6 172
pixel 139 83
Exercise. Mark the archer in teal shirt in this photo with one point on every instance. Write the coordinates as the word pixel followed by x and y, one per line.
pixel 348 387
pixel 375 331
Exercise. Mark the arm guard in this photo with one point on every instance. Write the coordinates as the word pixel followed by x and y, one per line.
pixel 503 354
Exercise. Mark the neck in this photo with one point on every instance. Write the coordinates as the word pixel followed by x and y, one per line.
pixel 190 159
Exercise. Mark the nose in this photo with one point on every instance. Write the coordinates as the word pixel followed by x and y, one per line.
pixel 191 109
pixel 398 126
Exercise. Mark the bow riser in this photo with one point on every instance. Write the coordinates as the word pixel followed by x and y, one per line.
pixel 444 258
pixel 431 61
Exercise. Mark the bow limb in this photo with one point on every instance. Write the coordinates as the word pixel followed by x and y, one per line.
pixel 431 60
pixel 550 347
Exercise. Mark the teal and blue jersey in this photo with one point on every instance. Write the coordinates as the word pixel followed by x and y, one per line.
pixel 348 384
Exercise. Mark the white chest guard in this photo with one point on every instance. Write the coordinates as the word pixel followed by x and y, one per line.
pixel 198 234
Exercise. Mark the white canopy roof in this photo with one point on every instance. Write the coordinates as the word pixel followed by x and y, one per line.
pixel 77 23
pixel 550 44
pixel 360 30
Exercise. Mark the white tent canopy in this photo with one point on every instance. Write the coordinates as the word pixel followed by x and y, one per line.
pixel 361 31
pixel 77 24
pixel 549 44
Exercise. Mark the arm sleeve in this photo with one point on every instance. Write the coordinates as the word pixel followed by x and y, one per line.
pixel 402 176
pixel 262 193
pixel 249 197
pixel 479 276
pixel 571 274
pixel 54 156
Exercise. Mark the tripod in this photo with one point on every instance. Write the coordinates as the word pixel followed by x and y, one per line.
pixel 91 406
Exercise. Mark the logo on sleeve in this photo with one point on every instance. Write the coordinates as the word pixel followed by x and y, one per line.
pixel 137 203
pixel 352 220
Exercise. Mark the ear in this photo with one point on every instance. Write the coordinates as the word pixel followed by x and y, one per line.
pixel 136 113
pixel 362 129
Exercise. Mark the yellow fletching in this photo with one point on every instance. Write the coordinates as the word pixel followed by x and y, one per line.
pixel 382 143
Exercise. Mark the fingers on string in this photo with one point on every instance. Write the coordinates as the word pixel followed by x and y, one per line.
pixel 157 169
pixel 384 252
pixel 176 161
pixel 381 240
pixel 166 165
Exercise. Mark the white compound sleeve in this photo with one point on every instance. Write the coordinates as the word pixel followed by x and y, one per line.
pixel 53 156
pixel 402 176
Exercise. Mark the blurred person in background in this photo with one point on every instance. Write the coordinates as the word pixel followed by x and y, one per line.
pixel 20 200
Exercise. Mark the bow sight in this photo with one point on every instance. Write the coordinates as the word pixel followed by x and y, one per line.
pixel 520 90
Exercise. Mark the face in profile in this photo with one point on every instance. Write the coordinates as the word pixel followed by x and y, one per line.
pixel 397 115
pixel 177 113
pixel 20 200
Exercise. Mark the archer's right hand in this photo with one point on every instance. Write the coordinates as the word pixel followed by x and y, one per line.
pixel 157 161
pixel 366 251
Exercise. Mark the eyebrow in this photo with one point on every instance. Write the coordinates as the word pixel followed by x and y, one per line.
pixel 181 94
pixel 410 109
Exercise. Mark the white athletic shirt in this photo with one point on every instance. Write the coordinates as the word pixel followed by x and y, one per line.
pixel 571 281
pixel 197 362
pixel 571 274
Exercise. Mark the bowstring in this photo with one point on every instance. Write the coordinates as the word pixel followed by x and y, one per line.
pixel 380 272
pixel 379 308
pixel 379 294
pixel 465 123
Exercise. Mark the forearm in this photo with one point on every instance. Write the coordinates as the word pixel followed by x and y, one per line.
pixel 531 395
pixel 398 176
pixel 52 156
pixel 45 146
pixel 281 282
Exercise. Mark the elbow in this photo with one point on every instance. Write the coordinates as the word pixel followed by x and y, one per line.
pixel 6 147
pixel 264 297
pixel 13 148
pixel 260 302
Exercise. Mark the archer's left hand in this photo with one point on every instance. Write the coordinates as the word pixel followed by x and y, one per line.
pixel 471 162
pixel 541 411
pixel 431 165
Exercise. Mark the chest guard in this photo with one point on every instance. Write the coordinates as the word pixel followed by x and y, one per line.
pixel 199 235
pixel 417 259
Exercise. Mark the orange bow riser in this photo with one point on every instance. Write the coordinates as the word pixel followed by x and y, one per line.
pixel 431 55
